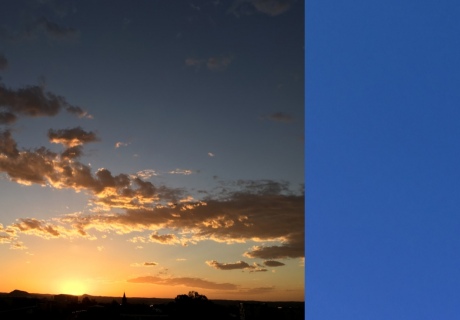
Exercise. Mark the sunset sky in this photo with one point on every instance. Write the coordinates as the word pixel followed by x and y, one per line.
pixel 153 148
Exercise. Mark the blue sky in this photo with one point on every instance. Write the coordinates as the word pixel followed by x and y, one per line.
pixel 182 150
pixel 382 150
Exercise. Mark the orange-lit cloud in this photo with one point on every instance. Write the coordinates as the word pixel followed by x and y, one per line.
pixel 71 137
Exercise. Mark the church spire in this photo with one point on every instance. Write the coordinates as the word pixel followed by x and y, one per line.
pixel 124 301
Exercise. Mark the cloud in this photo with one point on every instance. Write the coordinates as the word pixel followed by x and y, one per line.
pixel 71 137
pixel 234 266
pixel 228 266
pixel 294 249
pixel 44 167
pixel 272 263
pixel 144 264
pixel 259 290
pixel 184 281
pixel 3 62
pixel 120 144
pixel 37 227
pixel 181 171
pixel 261 211
pixel 146 174
pixel 280 117
pixel 211 154
pixel 32 101
pixel 268 7
pixel 79 112
pixel 18 246
pixel 164 239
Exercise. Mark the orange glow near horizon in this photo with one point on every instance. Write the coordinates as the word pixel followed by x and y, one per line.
pixel 73 287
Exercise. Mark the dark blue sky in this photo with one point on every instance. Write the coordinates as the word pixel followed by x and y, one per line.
pixel 382 153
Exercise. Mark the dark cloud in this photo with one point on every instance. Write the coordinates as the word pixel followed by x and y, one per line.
pixel 237 265
pixel 228 266
pixel 3 62
pixel 31 101
pixel 8 146
pixel 184 281
pixel 72 153
pixel 292 249
pixel 164 239
pixel 71 137
pixel 150 263
pixel 272 263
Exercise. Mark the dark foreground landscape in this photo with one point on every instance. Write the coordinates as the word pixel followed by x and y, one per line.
pixel 23 305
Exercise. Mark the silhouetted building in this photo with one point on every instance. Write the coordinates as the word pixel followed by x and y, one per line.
pixel 124 301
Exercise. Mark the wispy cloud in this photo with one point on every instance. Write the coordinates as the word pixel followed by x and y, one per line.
pixel 144 264
pixel 184 281
pixel 181 171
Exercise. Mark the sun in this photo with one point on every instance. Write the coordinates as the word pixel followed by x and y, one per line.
pixel 74 287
